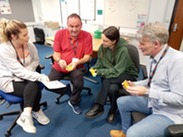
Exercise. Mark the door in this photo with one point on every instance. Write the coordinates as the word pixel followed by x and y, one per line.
pixel 176 26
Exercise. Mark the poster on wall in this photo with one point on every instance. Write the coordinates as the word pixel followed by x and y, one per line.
pixel 5 7
pixel 141 20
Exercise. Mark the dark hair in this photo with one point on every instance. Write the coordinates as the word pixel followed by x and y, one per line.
pixel 74 15
pixel 9 27
pixel 112 33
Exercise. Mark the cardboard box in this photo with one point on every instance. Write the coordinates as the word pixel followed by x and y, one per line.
pixel 51 25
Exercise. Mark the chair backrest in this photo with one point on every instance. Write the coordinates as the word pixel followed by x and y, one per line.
pixel 134 55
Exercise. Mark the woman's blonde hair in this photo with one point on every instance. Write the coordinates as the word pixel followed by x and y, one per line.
pixel 9 27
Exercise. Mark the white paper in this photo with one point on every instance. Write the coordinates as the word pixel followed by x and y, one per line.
pixel 54 84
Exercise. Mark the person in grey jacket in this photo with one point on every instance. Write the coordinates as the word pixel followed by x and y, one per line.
pixel 19 60
pixel 160 96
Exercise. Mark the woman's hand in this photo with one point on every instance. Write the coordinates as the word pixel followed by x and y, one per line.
pixel 43 78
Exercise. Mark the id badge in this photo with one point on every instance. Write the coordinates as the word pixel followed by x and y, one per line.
pixel 75 59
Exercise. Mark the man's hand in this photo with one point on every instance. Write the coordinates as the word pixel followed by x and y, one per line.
pixel 71 66
pixel 136 90
pixel 62 64
pixel 127 83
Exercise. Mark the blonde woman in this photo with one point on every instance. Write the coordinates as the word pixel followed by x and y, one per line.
pixel 18 61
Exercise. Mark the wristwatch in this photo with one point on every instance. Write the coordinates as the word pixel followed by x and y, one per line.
pixel 147 91
pixel 58 60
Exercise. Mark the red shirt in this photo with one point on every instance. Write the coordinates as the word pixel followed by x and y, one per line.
pixel 80 47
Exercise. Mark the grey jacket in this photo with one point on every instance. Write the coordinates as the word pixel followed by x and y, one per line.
pixel 11 69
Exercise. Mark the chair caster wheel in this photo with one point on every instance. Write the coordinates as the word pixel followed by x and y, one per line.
pixel 8 134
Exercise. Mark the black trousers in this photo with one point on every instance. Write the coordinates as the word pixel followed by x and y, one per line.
pixel 30 92
pixel 76 77
pixel 110 87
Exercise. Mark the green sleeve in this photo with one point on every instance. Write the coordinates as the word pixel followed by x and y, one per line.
pixel 98 64
pixel 112 71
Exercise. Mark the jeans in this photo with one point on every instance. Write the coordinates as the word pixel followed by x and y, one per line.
pixel 151 126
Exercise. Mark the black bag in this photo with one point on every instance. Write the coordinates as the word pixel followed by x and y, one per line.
pixel 39 35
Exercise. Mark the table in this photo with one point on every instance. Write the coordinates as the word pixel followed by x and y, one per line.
pixel 96 45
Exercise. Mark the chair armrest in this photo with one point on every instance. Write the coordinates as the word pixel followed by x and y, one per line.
pixel 176 130
pixel 50 57
pixel 39 68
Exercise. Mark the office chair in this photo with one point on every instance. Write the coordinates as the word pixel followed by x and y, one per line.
pixel 57 100
pixel 176 130
pixel 134 55
pixel 10 99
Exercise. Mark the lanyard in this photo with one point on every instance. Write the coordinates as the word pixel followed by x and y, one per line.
pixel 74 47
pixel 151 73
pixel 18 56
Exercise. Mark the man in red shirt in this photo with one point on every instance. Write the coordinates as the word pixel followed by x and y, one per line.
pixel 72 48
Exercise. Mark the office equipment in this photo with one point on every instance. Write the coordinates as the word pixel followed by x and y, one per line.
pixel 67 7
pixel 86 9
pixel 126 13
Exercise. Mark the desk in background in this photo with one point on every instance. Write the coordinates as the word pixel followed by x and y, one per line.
pixel 96 45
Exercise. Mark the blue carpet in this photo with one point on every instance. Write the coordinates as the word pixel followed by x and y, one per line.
pixel 64 123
